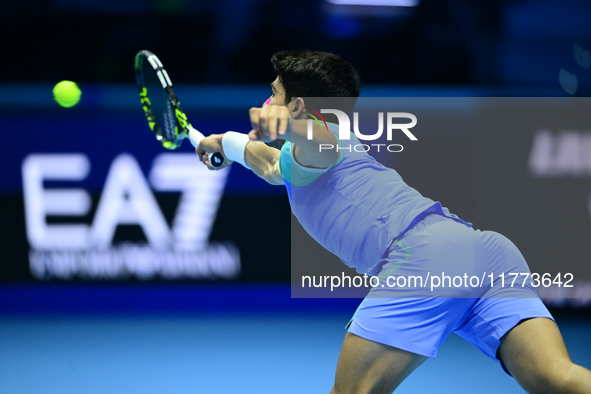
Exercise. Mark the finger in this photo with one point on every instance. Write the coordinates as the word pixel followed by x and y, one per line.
pixel 283 121
pixel 208 164
pixel 254 114
pixel 253 135
pixel 273 123
pixel 205 160
pixel 264 120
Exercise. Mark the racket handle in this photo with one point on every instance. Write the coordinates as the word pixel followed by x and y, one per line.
pixel 216 159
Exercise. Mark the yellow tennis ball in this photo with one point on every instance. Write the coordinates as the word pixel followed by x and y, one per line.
pixel 67 93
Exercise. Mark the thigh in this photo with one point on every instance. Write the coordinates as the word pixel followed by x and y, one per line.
pixel 369 367
pixel 490 319
pixel 416 325
pixel 535 354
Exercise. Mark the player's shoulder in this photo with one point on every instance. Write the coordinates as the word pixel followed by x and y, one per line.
pixel 297 174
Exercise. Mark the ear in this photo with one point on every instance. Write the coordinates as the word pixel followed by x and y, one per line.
pixel 297 108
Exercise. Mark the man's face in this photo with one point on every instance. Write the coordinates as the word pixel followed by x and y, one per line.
pixel 278 93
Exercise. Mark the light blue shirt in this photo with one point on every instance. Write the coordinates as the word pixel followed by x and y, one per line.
pixel 356 207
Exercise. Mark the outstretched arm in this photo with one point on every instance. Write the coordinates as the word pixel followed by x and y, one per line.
pixel 260 158
pixel 270 122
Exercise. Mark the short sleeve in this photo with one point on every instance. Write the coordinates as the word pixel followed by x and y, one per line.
pixel 297 174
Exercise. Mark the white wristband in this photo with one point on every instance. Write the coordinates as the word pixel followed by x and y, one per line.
pixel 234 145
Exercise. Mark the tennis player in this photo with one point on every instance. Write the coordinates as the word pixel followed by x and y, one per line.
pixel 364 213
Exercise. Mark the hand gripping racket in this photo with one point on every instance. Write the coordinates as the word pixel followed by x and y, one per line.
pixel 162 108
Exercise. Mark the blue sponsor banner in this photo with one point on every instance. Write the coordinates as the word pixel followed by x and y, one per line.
pixel 89 194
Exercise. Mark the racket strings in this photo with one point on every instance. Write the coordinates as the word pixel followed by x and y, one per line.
pixel 160 104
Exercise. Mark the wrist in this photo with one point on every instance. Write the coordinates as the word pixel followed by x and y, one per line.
pixel 234 145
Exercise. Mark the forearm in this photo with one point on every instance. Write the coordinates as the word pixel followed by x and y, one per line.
pixel 263 161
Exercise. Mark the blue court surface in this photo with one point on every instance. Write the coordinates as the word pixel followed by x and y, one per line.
pixel 236 352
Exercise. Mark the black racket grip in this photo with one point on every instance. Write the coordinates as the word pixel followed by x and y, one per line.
pixel 216 159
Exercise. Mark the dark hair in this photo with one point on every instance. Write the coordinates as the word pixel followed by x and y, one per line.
pixel 311 74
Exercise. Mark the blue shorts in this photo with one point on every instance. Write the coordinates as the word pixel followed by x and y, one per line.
pixel 481 315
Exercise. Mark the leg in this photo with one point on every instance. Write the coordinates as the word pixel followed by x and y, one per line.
pixel 370 367
pixel 535 354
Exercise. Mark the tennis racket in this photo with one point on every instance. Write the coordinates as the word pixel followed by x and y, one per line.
pixel 162 108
